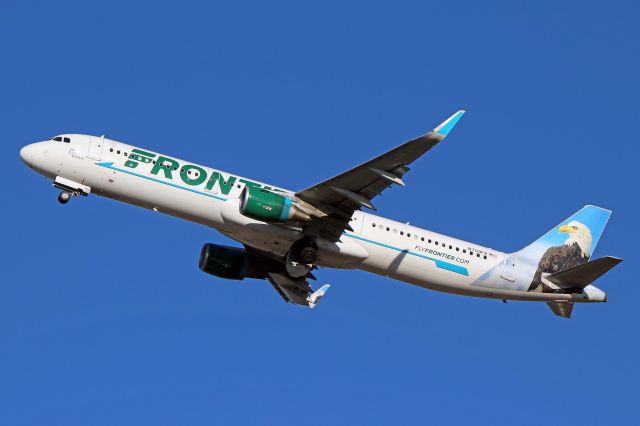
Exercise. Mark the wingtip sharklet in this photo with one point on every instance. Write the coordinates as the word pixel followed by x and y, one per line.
pixel 448 125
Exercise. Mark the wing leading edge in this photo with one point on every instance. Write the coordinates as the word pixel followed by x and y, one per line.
pixel 345 193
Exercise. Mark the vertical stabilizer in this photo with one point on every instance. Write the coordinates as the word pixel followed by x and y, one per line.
pixel 570 243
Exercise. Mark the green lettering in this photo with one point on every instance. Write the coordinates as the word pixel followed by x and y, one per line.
pixel 225 187
pixel 166 165
pixel 138 156
pixel 199 175
pixel 249 183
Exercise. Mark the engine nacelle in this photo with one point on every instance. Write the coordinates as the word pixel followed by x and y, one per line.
pixel 232 263
pixel 267 206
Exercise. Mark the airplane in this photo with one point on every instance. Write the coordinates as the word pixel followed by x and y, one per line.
pixel 287 235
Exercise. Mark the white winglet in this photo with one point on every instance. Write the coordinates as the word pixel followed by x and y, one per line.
pixel 314 298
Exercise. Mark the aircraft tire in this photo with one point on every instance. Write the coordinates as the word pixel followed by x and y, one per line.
pixel 308 254
pixel 64 197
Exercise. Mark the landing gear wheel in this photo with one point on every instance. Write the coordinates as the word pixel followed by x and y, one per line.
pixel 64 197
pixel 308 255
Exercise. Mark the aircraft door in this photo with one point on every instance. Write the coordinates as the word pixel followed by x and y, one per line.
pixel 95 148
pixel 357 222
pixel 509 269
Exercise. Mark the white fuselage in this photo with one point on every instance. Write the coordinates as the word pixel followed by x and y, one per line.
pixel 376 244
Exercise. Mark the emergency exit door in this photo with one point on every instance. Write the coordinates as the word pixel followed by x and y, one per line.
pixel 509 268
pixel 95 148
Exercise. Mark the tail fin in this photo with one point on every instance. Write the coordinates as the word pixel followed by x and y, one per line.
pixel 582 230
pixel 569 244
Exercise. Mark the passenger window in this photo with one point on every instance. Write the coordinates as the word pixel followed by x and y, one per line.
pixel 125 154
pixel 110 149
pixel 401 232
pixel 422 239
pixel 118 152
pixel 387 229
pixel 436 243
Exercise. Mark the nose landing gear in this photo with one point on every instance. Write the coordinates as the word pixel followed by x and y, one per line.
pixel 69 189
pixel 64 197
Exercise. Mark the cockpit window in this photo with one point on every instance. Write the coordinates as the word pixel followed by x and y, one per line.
pixel 60 139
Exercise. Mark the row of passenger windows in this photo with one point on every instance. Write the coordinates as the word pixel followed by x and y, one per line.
pixel 416 237
pixel 189 172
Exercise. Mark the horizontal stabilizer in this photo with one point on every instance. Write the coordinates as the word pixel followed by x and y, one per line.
pixel 561 309
pixel 582 275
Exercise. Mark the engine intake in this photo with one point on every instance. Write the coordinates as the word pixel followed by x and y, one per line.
pixel 232 263
pixel 267 206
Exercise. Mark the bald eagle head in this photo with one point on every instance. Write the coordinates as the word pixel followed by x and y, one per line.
pixel 578 234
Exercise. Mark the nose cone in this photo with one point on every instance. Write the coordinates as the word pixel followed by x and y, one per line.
pixel 26 154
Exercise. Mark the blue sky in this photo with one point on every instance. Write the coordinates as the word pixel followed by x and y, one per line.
pixel 104 316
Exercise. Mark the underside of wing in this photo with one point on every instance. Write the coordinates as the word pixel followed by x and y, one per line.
pixel 295 290
pixel 292 289
pixel 561 309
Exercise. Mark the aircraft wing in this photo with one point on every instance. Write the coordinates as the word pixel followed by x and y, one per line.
pixel 296 290
pixel 341 195
pixel 292 289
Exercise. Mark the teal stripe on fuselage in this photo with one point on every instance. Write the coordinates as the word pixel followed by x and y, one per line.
pixel 109 165
pixel 439 263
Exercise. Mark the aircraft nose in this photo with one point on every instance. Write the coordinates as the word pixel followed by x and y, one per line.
pixel 26 153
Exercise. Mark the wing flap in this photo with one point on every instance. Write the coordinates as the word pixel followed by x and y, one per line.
pixel 561 309
pixel 347 192
pixel 294 290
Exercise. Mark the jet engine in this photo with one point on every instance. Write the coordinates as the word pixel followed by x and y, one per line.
pixel 268 206
pixel 232 263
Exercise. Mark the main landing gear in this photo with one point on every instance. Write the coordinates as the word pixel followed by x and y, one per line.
pixel 308 254
pixel 304 250
pixel 301 257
